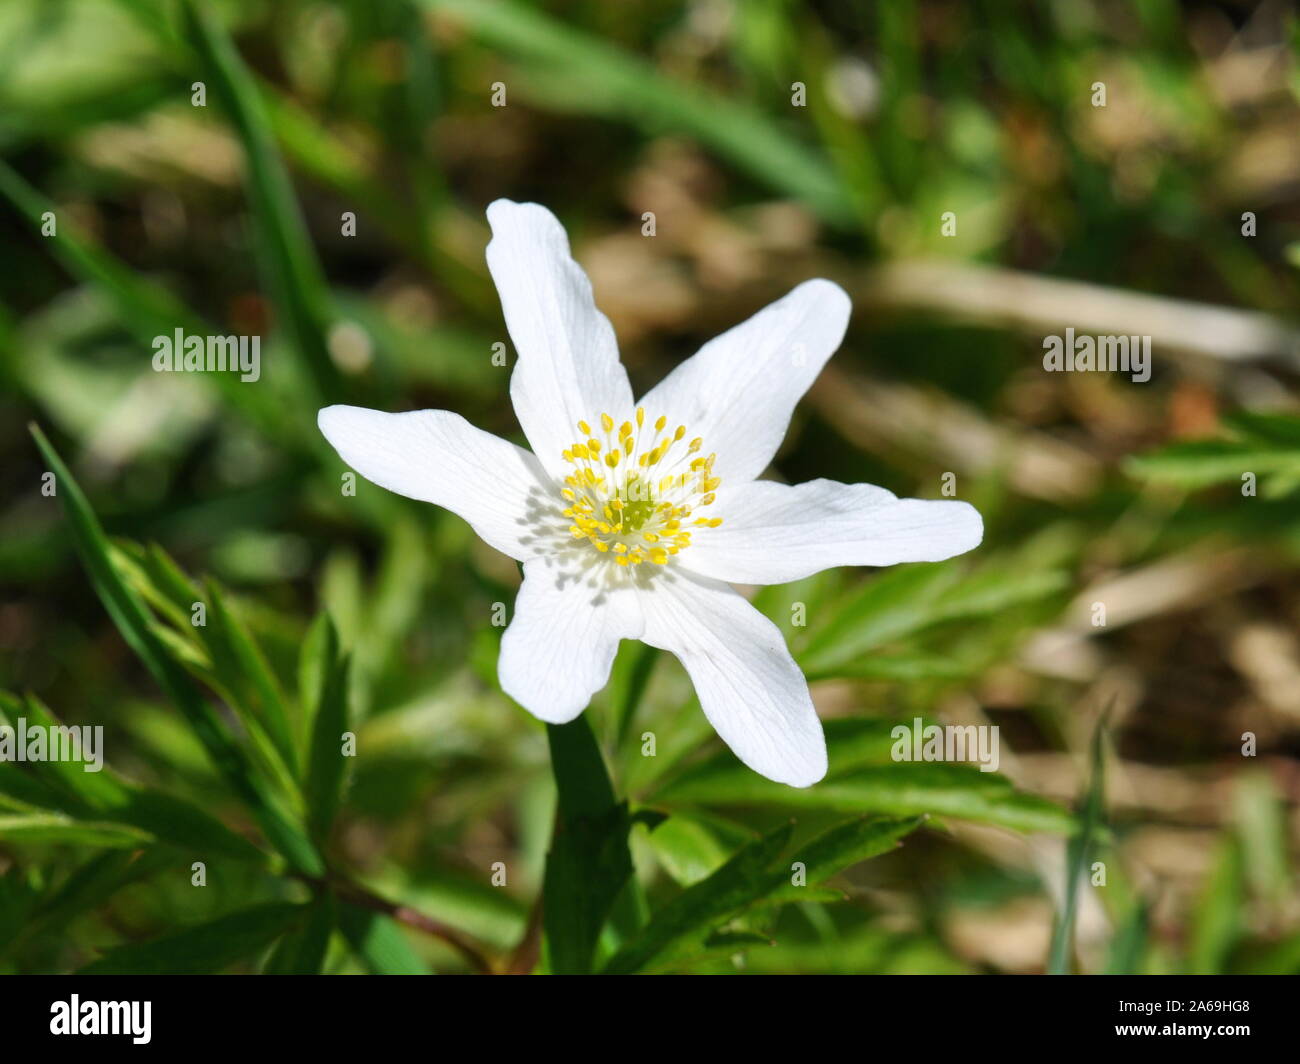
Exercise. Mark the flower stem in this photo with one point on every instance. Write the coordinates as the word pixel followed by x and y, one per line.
pixel 589 861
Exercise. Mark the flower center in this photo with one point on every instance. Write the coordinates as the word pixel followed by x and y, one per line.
pixel 632 493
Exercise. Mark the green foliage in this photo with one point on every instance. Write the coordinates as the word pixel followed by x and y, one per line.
pixel 1265 445
pixel 328 616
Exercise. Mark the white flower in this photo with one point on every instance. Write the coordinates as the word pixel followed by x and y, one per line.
pixel 632 519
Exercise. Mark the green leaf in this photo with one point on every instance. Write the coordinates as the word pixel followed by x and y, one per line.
pixel 1199 463
pixel 106 796
pixel 239 661
pixel 302 951
pixel 204 949
pixel 1218 920
pixel 691 848
pixel 55 827
pixel 378 942
pixel 1128 947
pixel 839 848
pixel 88 887
pixel 131 618
pixel 328 765
pixel 905 600
pixel 689 918
pixel 316 660
pixel 904 789
pixel 589 860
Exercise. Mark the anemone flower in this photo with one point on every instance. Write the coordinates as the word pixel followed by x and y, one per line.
pixel 633 519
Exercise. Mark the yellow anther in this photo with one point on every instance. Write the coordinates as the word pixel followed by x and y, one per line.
pixel 627 513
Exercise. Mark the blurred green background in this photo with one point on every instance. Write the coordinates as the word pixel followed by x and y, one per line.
pixel 773 141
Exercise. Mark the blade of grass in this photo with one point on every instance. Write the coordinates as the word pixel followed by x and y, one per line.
pixel 604 77
pixel 1079 852
pixel 292 271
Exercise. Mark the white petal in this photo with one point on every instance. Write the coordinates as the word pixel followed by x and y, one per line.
pixel 748 684
pixel 738 391
pixel 439 457
pixel 559 647
pixel 568 368
pixel 774 533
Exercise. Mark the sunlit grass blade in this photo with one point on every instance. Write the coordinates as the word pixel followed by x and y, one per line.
pixel 57 828
pixel 131 618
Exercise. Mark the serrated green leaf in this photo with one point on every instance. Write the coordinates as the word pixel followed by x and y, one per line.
pixel 132 620
pixel 689 918
pixel 106 796
pixel 839 848
pixel 904 789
